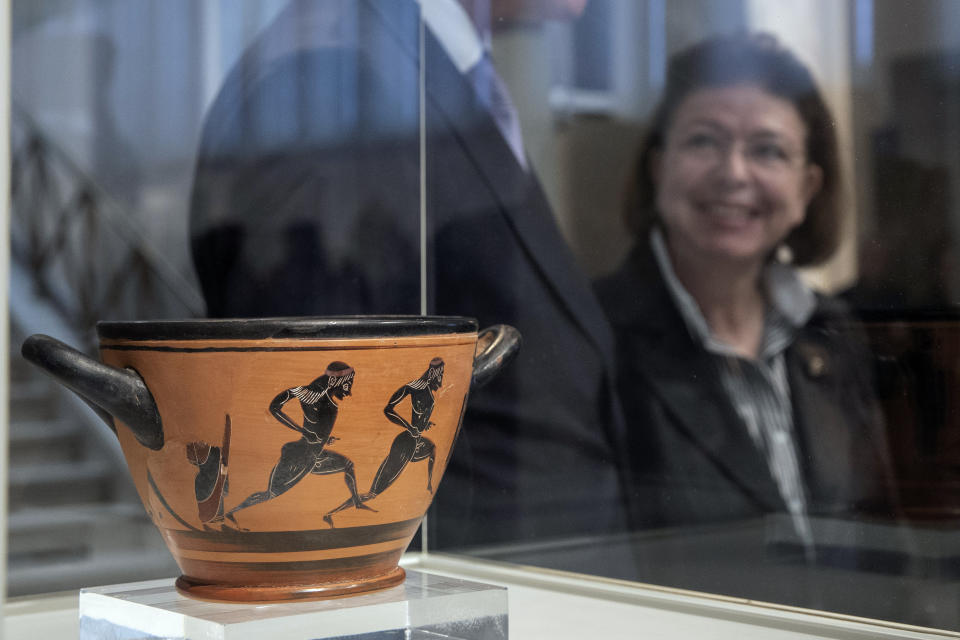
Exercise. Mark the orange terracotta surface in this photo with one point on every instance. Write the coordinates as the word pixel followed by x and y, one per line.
pixel 285 540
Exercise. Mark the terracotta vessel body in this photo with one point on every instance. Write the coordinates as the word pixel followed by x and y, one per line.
pixel 288 459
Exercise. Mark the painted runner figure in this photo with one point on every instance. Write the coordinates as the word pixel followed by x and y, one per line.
pixel 409 445
pixel 318 400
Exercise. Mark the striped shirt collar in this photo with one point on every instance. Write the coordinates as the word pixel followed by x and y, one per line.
pixel 791 303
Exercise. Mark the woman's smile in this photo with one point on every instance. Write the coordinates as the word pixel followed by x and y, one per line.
pixel 728 214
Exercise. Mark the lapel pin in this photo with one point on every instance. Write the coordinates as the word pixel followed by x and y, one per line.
pixel 816 365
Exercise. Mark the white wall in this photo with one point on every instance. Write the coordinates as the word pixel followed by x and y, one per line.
pixel 818 32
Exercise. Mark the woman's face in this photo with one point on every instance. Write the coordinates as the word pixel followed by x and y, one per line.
pixel 732 178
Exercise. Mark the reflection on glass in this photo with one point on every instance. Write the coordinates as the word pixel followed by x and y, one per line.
pixel 306 197
pixel 107 98
pixel 470 157
pixel 307 200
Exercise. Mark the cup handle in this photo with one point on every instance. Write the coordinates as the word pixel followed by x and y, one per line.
pixel 496 347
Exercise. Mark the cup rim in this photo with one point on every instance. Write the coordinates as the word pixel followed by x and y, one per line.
pixel 371 326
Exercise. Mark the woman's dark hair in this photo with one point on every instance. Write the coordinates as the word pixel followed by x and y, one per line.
pixel 758 60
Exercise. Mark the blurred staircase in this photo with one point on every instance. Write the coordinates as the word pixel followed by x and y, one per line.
pixel 74 518
pixel 77 257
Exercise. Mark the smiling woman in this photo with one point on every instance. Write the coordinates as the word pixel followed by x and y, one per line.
pixel 757 62
pixel 733 179
pixel 747 391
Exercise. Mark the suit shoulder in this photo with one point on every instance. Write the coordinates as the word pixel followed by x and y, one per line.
pixel 833 311
pixel 607 287
pixel 630 277
pixel 634 295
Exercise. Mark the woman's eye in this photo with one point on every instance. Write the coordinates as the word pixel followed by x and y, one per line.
pixel 701 141
pixel 768 152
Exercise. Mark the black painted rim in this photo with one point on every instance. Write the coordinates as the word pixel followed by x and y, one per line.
pixel 306 327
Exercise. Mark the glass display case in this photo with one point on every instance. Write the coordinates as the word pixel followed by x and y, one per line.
pixel 724 228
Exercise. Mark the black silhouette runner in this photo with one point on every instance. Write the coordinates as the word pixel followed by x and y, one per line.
pixel 318 401
pixel 409 445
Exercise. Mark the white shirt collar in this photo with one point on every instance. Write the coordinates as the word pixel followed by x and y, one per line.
pixel 451 25
pixel 786 292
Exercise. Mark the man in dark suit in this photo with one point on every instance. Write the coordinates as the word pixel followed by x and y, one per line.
pixel 312 196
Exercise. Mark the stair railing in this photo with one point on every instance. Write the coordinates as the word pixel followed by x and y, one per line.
pixel 87 255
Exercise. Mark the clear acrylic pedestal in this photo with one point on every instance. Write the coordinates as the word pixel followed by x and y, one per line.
pixel 424 607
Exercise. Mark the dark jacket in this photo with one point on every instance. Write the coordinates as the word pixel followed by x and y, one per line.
pixel 307 202
pixel 691 458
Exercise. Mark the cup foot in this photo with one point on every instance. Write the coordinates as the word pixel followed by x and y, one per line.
pixel 255 594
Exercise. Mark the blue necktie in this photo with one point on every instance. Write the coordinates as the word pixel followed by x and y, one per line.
pixel 495 96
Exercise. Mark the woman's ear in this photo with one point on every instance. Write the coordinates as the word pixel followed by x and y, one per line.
pixel 812 182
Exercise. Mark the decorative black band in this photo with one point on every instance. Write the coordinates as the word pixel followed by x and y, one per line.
pixel 280 541
pixel 263 328
pixel 163 349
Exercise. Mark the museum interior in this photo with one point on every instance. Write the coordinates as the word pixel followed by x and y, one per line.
pixel 717 408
